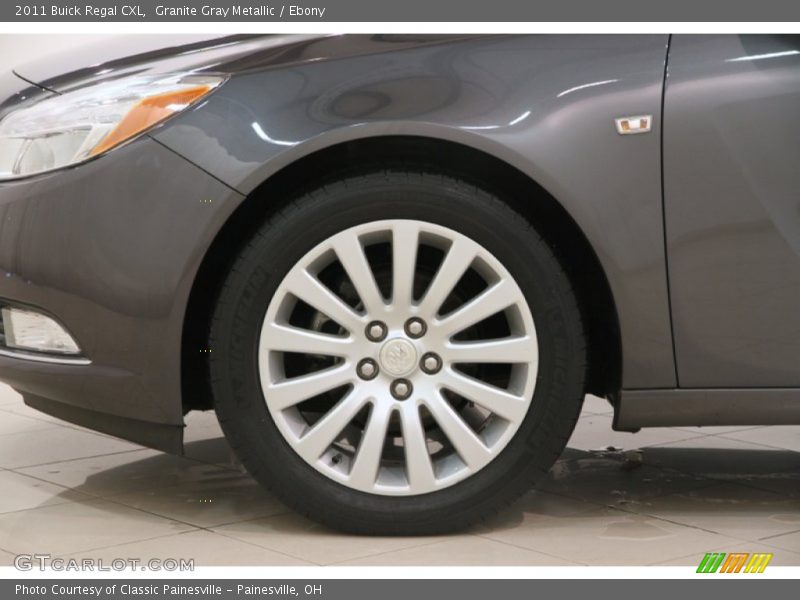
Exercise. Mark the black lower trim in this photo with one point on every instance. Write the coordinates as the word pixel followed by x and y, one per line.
pixel 168 438
pixel 695 407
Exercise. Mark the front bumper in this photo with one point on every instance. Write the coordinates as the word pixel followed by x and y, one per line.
pixel 111 248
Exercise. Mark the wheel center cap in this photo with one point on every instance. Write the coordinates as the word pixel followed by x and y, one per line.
pixel 398 357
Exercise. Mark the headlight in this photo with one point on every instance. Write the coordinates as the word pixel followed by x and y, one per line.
pixel 73 127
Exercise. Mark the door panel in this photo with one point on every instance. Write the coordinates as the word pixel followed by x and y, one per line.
pixel 732 207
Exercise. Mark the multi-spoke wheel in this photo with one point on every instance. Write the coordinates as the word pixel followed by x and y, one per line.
pixel 398 357
pixel 397 353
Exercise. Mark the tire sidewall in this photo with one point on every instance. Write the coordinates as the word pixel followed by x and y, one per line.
pixel 287 237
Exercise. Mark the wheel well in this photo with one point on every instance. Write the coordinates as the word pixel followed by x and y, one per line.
pixel 522 193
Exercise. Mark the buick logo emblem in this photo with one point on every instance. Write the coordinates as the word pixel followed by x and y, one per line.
pixel 398 357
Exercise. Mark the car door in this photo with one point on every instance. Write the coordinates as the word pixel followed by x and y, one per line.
pixel 731 152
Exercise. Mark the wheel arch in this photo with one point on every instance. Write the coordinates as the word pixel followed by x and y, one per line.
pixel 477 166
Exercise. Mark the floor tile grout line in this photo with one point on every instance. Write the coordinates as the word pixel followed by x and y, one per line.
pixel 770 446
pixel 642 447
pixel 690 473
pixel 287 554
pixel 717 479
pixel 19 471
pixel 665 469
pixel 752 486
pixel 93 496
pixel 712 481
pixel 690 525
pixel 65 487
pixel 45 425
pixel 441 540
pixel 683 525
pixel 138 541
pixel 556 556
pixel 235 539
pixel 41 430
pixel 66 460
pixel 598 504
pixel 769 537
pixel 195 529
pixel 61 503
pixel 176 520
pixel 53 422
pixel 206 462
pixel 697 556
pixel 723 436
pixel 270 548
pixel 97 499
pixel 57 423
pixel 667 520
pixel 737 430
pixel 142 449
pixel 89 500
pixel 685 439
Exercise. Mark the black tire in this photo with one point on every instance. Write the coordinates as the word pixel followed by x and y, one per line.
pixel 404 194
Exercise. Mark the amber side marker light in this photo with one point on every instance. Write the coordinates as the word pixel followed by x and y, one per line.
pixel 149 112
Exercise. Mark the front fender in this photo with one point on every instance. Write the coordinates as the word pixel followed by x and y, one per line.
pixel 544 104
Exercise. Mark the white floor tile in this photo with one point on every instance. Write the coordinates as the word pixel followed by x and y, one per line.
pixel 21 493
pixel 293 535
pixel 215 451
pixel 11 423
pixel 75 526
pixel 8 396
pixel 217 498
pixel 201 425
pixel 787 437
pixel 6 559
pixel 684 491
pixel 616 478
pixel 716 430
pixel 597 406
pixel 594 432
pixel 60 444
pixel 115 474
pixel 463 551
pixel 607 537
pixel 729 509
pixel 204 547
pixel 786 541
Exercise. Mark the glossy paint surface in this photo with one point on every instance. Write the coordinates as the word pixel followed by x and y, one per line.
pixel 544 104
pixel 113 245
pixel 111 248
pixel 731 176
pixel 154 54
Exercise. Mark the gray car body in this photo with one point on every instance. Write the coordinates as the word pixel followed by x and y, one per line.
pixel 690 231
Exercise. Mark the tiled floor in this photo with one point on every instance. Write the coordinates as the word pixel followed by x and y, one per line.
pixel 662 496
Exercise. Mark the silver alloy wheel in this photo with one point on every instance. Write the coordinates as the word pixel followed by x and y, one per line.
pixel 353 429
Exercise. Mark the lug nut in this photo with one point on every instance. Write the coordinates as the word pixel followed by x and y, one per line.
pixel 367 368
pixel 401 389
pixel 415 327
pixel 430 363
pixel 376 331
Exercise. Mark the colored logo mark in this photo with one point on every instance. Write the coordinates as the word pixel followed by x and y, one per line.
pixel 734 562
